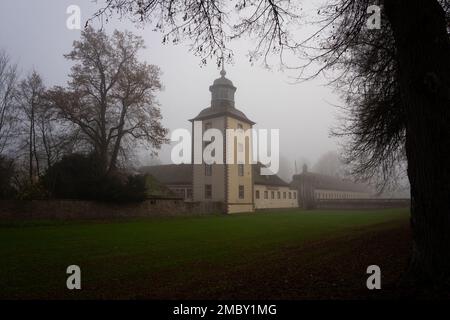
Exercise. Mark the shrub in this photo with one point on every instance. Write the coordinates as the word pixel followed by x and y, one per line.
pixel 7 172
pixel 78 177
pixel 30 191
pixel 73 177
pixel 121 188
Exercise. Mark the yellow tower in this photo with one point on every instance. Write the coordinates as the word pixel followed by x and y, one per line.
pixel 230 181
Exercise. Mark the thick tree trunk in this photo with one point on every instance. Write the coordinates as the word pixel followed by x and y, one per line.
pixel 423 51
pixel 102 158
pixel 118 142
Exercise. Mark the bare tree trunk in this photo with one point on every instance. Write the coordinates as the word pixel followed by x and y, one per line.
pixel 117 143
pixel 35 153
pixel 30 149
pixel 45 142
pixel 102 158
pixel 115 154
pixel 423 50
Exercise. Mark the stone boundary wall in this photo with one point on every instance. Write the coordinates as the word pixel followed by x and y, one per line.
pixel 362 203
pixel 80 209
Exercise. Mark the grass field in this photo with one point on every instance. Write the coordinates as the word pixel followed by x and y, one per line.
pixel 187 257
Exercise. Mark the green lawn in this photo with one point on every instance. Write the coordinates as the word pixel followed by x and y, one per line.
pixel 124 258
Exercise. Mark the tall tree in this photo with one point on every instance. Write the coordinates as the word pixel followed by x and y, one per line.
pixel 413 115
pixel 111 95
pixel 29 96
pixel 423 56
pixel 44 136
pixel 8 114
pixel 383 121
pixel 56 136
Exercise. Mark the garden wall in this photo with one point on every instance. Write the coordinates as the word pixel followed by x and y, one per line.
pixel 78 209
pixel 349 204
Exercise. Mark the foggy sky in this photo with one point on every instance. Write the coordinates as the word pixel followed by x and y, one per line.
pixel 34 34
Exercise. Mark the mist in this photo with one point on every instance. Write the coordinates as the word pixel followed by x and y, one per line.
pixel 304 112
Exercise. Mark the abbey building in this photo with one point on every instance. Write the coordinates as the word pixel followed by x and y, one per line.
pixel 239 186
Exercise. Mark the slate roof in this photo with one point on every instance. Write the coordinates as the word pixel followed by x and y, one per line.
pixel 211 112
pixel 170 174
pixel 222 81
pixel 325 182
pixel 269 180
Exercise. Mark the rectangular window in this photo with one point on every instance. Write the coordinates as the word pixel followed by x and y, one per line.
pixel 284 195
pixel 290 195
pixel 272 195
pixel 295 195
pixel 189 193
pixel 266 194
pixel 241 192
pixel 208 170
pixel 279 195
pixel 257 194
pixel 208 191
pixel 240 170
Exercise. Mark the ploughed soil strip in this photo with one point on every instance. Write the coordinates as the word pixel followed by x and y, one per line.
pixel 329 269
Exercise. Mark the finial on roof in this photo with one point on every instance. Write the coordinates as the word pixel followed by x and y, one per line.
pixel 223 72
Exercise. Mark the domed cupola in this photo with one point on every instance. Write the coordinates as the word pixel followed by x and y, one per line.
pixel 222 92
